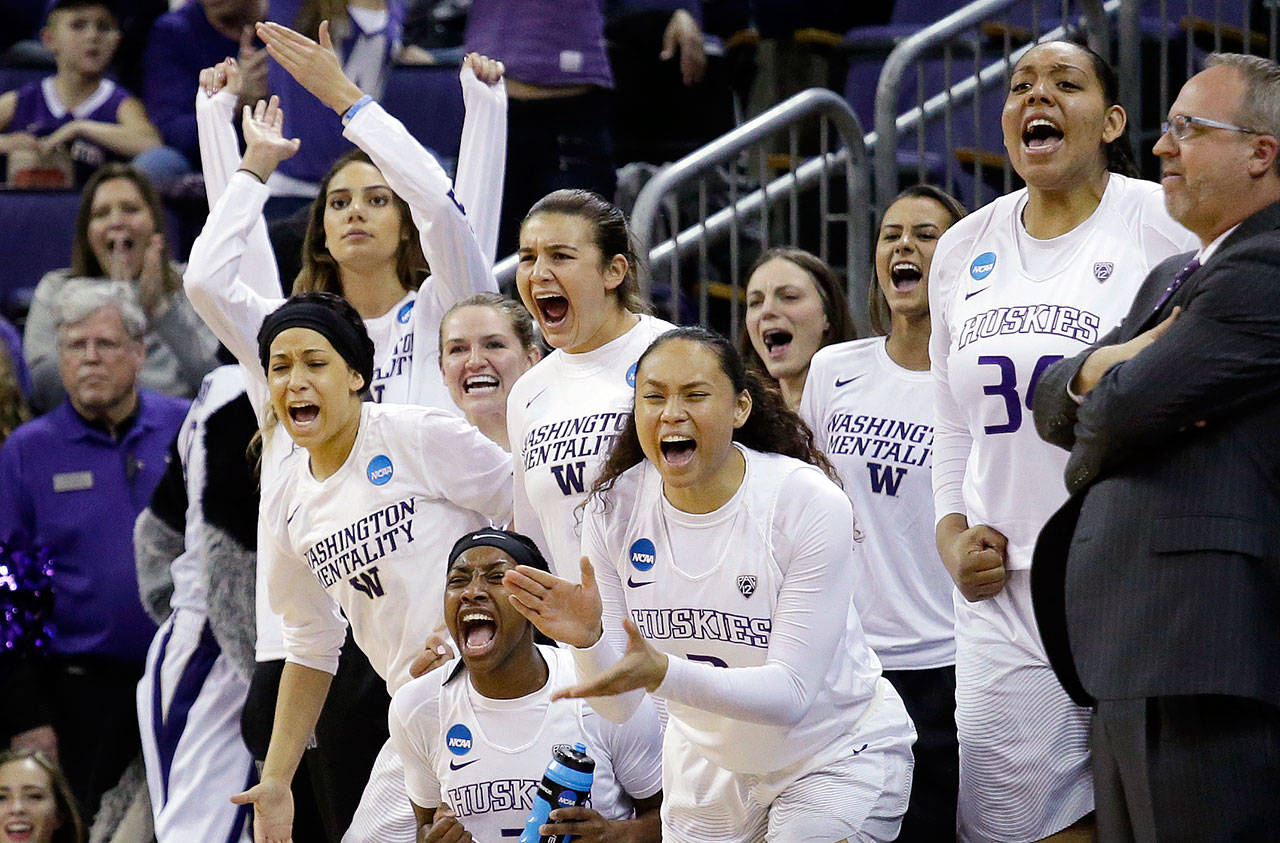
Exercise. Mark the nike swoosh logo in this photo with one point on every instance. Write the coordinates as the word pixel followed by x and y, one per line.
pixel 289 520
pixel 856 751
pixel 454 765
pixel 635 584
pixel 535 396
pixel 975 292
pixel 847 381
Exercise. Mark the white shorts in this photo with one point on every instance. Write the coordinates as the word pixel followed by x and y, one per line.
pixel 385 814
pixel 1024 745
pixel 855 789
pixel 189 703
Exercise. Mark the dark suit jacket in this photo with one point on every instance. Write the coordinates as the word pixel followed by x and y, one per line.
pixel 1161 574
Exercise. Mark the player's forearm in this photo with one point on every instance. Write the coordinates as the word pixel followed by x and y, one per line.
pixel 301 696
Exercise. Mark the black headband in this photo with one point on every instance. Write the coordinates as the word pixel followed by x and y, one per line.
pixel 518 547
pixel 354 346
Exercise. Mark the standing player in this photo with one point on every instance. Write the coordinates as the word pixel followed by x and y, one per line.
pixel 354 514
pixel 721 540
pixel 1035 276
pixel 477 735
pixel 870 408
pixel 578 277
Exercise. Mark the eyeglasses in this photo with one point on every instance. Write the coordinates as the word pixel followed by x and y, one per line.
pixel 1179 126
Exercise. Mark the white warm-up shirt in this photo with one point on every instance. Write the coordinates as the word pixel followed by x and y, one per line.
pixel 562 418
pixel 874 421
pixel 1004 307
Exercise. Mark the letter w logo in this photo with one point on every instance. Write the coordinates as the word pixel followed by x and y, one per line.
pixel 884 480
pixel 569 476
pixel 369 582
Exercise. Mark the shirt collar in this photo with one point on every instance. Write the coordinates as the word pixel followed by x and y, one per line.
pixel 1207 252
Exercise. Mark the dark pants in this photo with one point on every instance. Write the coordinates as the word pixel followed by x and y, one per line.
pixel 1193 768
pixel 930 698
pixel 351 730
pixel 553 144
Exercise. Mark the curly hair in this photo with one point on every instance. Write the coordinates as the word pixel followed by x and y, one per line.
pixel 771 427
pixel 72 828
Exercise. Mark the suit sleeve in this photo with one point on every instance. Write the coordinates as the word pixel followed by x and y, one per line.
pixel 1055 409
pixel 1222 355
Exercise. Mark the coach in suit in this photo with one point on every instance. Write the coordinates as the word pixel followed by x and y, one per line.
pixel 1157 585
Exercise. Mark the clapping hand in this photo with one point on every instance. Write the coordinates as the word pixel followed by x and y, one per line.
pixel 641 666
pixel 560 609
pixel 314 65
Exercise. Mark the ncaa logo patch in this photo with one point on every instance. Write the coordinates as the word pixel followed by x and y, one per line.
pixel 747 585
pixel 380 470
pixel 403 316
pixel 643 555
pixel 1102 270
pixel 631 375
pixel 982 265
pixel 458 739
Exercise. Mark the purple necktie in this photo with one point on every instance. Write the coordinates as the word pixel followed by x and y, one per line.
pixel 1183 275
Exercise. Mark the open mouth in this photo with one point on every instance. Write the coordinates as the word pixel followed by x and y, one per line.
pixel 479 629
pixel 18 830
pixel 480 384
pixel 905 276
pixel 677 450
pixel 776 342
pixel 303 414
pixel 552 308
pixel 120 243
pixel 1042 135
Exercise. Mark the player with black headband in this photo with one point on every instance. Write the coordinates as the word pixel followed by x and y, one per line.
pixel 476 735
pixel 352 515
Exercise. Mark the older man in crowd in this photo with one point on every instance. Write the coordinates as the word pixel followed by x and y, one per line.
pixel 73 483
pixel 1157 585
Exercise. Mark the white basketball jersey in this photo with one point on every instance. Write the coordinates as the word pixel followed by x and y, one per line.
pixel 1005 307
pixel 874 421
pixel 484 757
pixel 562 418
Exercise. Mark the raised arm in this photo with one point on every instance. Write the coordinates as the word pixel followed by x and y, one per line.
pixel 482 157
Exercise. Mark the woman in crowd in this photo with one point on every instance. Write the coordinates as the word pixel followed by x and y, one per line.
pixel 1035 276
pixel 351 515
pixel 578 276
pixel 120 235
pixel 36 803
pixel 487 342
pixel 492 711
pixel 795 305
pixel 716 531
pixel 870 408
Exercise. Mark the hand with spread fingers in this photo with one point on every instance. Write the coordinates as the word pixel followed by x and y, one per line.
pixel 641 666
pixel 264 140
pixel 560 609
pixel 315 65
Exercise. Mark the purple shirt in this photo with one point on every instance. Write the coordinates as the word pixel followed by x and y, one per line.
pixel 70 487
pixel 39 110
pixel 543 42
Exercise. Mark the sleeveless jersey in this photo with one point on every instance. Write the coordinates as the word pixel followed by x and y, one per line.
pixel 999 321
pixel 40 111
pixel 874 421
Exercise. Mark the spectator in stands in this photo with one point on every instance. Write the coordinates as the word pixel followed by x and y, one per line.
pixel 13 401
pixel 59 130
pixel 795 306
pixel 36 801
pixel 74 482
pixel 11 343
pixel 194 36
pixel 120 235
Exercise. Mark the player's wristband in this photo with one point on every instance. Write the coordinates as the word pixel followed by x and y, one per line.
pixel 355 108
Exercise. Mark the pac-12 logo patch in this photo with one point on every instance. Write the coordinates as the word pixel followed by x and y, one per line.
pixel 747 585
pixel 982 265
pixel 631 375
pixel 1102 270
pixel 403 316
pixel 643 555
pixel 380 470
pixel 458 739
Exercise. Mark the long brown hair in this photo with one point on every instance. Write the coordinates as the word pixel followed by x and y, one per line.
pixel 72 828
pixel 771 427
pixel 84 263
pixel 13 407
pixel 320 272
pixel 877 304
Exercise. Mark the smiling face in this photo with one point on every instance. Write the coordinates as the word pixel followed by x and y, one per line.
pixel 686 411
pixel 480 617
pixel 567 284
pixel 313 390
pixel 28 805
pixel 82 39
pixel 362 223
pixel 786 319
pixel 481 357
pixel 120 227
pixel 904 252
pixel 1056 120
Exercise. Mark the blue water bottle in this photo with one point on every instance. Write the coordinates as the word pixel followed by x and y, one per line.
pixel 567 782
